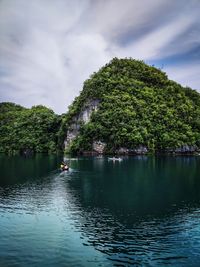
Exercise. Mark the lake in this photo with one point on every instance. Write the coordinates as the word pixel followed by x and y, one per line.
pixel 142 211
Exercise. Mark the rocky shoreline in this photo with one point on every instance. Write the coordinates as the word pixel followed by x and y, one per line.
pixel 99 149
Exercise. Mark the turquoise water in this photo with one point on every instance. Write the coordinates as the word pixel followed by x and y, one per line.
pixel 143 211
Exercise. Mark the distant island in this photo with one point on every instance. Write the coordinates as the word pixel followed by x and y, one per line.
pixel 127 107
pixel 26 131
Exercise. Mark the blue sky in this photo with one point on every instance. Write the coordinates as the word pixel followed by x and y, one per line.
pixel 48 48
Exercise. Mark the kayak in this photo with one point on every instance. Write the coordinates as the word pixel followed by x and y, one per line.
pixel 64 169
pixel 115 159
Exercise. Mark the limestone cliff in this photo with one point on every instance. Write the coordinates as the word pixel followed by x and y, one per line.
pixel 76 121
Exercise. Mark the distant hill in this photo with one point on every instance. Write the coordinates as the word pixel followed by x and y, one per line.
pixel 27 130
pixel 138 110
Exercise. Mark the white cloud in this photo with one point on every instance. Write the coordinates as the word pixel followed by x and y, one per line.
pixel 186 74
pixel 114 17
pixel 48 48
pixel 152 45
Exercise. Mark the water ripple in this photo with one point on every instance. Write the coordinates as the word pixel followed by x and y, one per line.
pixel 79 219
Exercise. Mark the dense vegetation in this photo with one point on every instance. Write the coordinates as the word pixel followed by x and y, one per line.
pixel 139 105
pixel 22 129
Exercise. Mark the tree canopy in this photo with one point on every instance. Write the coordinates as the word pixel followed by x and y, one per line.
pixel 22 128
pixel 139 105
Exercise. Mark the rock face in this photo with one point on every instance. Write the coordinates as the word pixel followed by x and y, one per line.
pixel 98 147
pixel 71 134
pixel 140 150
pixel 82 117
pixel 86 113
pixel 186 149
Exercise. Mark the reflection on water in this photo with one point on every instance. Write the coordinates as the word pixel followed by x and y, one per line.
pixel 15 169
pixel 142 211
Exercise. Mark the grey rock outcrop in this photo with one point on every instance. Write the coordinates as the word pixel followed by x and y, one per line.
pixel 140 150
pixel 185 149
pixel 98 147
pixel 82 117
pixel 90 107
pixel 122 151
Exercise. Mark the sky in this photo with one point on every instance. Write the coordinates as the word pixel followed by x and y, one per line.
pixel 49 47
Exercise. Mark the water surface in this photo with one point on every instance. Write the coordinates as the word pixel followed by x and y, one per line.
pixel 143 211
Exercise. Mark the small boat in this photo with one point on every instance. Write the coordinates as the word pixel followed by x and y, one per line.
pixel 65 168
pixel 68 159
pixel 115 159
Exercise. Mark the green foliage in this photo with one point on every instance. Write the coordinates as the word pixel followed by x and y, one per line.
pixel 138 106
pixel 34 129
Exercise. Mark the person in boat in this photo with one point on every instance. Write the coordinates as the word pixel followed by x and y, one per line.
pixel 64 166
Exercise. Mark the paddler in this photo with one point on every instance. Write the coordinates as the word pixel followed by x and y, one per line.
pixel 64 166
